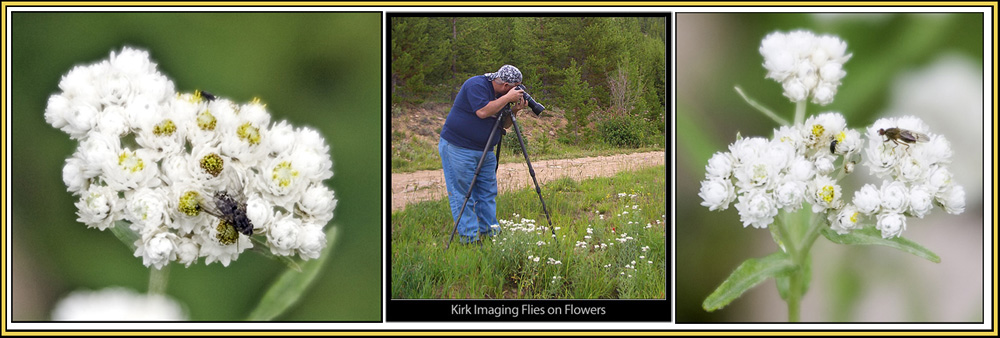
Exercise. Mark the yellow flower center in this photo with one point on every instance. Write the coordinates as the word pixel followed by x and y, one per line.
pixel 283 174
pixel 188 203
pixel 165 128
pixel 248 133
pixel 128 161
pixel 206 121
pixel 227 233
pixel 818 130
pixel 827 194
pixel 212 164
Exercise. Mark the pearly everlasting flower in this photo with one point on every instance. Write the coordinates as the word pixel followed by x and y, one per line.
pixel 844 220
pixel 716 193
pixel 117 304
pixel 806 65
pixel 720 165
pixel 157 249
pixel 921 201
pixel 868 200
pixel 824 193
pixel 757 208
pixel 790 195
pixel 99 207
pixel 894 196
pixel 952 199
pixel 891 224
pixel 193 175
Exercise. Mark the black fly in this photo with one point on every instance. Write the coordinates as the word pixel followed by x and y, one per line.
pixel 231 209
pixel 206 95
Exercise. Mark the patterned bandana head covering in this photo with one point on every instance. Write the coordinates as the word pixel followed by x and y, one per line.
pixel 507 73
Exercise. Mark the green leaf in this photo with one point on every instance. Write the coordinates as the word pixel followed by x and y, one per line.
pixel 872 236
pixel 784 282
pixel 750 273
pixel 291 285
pixel 125 234
pixel 260 244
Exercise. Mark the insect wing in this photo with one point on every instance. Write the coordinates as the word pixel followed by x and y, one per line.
pixel 912 136
pixel 209 206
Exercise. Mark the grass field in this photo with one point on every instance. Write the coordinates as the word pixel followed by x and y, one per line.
pixel 610 243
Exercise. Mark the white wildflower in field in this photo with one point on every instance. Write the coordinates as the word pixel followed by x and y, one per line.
pixel 192 175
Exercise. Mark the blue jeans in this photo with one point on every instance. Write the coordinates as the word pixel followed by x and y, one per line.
pixel 480 214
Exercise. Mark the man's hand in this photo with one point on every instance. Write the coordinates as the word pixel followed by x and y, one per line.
pixel 513 95
pixel 521 103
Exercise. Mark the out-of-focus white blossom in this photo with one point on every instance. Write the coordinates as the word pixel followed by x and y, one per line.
pixel 158 159
pixel 117 304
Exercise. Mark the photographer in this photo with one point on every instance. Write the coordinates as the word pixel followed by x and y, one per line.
pixel 464 137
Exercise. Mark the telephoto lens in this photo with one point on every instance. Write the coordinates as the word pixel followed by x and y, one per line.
pixel 536 107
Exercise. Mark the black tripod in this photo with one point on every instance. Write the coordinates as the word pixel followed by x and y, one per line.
pixel 505 112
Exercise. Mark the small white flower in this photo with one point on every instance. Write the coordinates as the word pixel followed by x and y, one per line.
pixel 117 304
pixel 891 224
pixel 720 165
pixel 756 208
pixel 801 169
pixel 716 194
pixel 99 207
pixel 747 150
pixel 845 220
pixel 824 193
pixel 790 195
pixel 824 163
pixel 868 200
pixel 157 249
pixel 318 202
pixel 895 196
pixel 952 199
pixel 187 251
pixel 921 201
pixel 147 209
pixel 283 236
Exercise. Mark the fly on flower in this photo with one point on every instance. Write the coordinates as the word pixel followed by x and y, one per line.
pixel 898 134
pixel 230 206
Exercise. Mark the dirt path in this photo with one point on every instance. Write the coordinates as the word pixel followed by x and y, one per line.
pixel 426 185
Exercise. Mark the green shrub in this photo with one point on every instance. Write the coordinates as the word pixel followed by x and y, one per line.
pixel 629 132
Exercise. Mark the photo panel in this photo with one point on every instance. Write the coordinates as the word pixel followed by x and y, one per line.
pixel 570 224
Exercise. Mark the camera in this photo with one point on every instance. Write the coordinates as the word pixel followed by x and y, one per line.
pixel 536 107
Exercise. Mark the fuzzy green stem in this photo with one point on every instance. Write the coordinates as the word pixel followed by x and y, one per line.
pixel 795 296
pixel 796 290
pixel 800 112
pixel 158 280
pixel 764 110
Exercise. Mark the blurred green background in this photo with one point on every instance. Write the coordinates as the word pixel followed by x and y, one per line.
pixel 313 69
pixel 716 52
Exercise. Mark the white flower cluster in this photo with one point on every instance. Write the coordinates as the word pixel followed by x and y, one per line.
pixel 165 162
pixel 806 65
pixel 794 167
pixel 117 304
pixel 765 175
pixel 917 161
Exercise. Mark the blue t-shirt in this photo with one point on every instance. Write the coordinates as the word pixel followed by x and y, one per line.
pixel 463 128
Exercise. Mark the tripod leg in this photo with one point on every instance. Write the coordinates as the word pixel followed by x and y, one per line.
pixel 531 171
pixel 472 184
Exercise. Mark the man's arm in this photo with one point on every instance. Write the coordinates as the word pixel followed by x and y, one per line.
pixel 494 106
